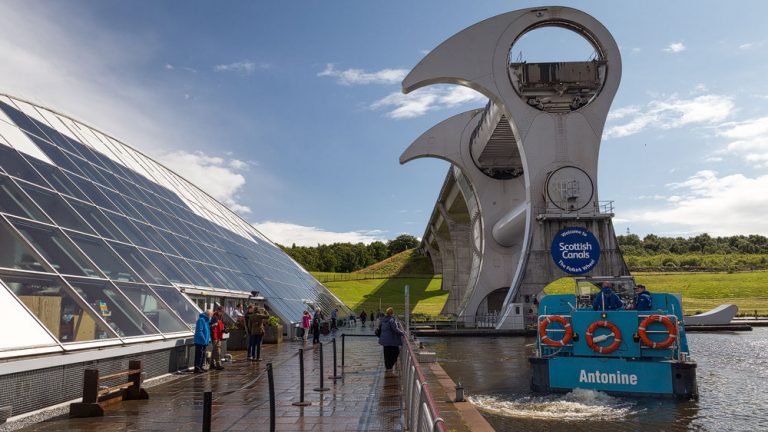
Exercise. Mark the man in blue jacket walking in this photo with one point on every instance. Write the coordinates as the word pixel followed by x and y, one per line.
pixel 202 339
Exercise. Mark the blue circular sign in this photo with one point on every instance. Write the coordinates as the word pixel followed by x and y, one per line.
pixel 575 250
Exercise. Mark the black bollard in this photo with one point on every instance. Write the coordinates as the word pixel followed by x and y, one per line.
pixel 207 402
pixel 301 401
pixel 343 338
pixel 322 388
pixel 335 375
pixel 271 380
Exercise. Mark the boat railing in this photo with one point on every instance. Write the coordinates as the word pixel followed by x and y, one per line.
pixel 421 412
pixel 545 350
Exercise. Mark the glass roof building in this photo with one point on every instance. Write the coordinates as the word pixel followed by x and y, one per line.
pixel 100 245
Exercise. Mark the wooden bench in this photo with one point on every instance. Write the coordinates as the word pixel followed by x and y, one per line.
pixel 96 397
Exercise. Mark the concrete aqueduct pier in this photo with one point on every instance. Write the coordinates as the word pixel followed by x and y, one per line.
pixel 521 193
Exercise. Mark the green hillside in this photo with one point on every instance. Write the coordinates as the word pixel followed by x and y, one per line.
pixel 426 296
pixel 407 262
pixel 701 291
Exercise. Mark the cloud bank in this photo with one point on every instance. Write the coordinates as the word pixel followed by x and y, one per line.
pixel 287 234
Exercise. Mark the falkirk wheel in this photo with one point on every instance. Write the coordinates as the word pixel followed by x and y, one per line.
pixel 526 165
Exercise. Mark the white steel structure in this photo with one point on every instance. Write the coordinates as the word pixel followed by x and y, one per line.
pixel 525 167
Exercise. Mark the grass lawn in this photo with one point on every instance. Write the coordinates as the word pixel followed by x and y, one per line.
pixel 701 291
pixel 426 296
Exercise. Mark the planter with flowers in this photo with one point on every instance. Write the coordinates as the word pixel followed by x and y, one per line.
pixel 273 331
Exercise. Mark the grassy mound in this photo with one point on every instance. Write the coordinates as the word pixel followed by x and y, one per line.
pixel 426 296
pixel 407 262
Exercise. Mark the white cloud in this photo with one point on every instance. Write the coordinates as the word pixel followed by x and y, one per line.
pixel 620 113
pixel 675 48
pixel 718 205
pixel 750 45
pixel 215 175
pixel 244 67
pixel 671 113
pixel 101 82
pixel 359 76
pixel 421 101
pixel 287 234
pixel 749 139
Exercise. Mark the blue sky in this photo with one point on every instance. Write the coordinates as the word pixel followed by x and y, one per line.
pixel 290 112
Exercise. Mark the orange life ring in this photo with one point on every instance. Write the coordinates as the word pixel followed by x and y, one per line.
pixel 546 340
pixel 599 348
pixel 671 329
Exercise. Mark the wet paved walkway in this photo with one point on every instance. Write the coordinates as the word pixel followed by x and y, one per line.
pixel 366 399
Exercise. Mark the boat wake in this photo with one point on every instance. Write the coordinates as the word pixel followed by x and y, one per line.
pixel 577 405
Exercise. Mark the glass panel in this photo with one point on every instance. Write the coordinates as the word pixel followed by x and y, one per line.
pixel 33 335
pixel 130 230
pixel 188 271
pixel 15 253
pixel 139 264
pixel 57 249
pixel 98 221
pixel 59 157
pixel 93 193
pixel 113 307
pixel 64 314
pixel 121 203
pixel 13 200
pixel 208 277
pixel 179 303
pixel 153 308
pixel 58 209
pixel 58 179
pixel 166 267
pixel 107 261
pixel 17 166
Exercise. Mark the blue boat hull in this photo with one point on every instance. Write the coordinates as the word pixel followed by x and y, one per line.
pixel 616 376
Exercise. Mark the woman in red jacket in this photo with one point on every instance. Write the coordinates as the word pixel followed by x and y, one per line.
pixel 217 335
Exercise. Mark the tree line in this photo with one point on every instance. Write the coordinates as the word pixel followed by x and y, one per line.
pixel 702 244
pixel 651 251
pixel 348 257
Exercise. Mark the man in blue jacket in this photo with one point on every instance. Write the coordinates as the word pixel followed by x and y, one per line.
pixel 643 299
pixel 606 299
pixel 202 339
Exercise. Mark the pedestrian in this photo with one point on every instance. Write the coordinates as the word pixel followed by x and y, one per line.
pixel 606 299
pixel 316 326
pixel 363 316
pixel 334 315
pixel 390 337
pixel 256 320
pixel 643 299
pixel 306 321
pixel 238 313
pixel 217 335
pixel 202 339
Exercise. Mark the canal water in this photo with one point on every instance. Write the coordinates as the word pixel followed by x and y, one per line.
pixel 732 377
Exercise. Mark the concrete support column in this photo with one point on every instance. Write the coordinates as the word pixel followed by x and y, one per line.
pixel 434 256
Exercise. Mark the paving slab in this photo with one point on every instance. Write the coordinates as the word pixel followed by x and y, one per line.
pixel 367 398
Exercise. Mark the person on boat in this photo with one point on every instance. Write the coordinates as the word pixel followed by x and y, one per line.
pixel 606 299
pixel 643 301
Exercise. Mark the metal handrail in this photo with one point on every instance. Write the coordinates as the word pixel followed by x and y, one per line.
pixel 422 412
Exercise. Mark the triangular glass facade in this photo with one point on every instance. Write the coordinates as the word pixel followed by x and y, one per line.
pixel 97 240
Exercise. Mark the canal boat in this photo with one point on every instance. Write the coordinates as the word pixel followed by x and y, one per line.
pixel 621 351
